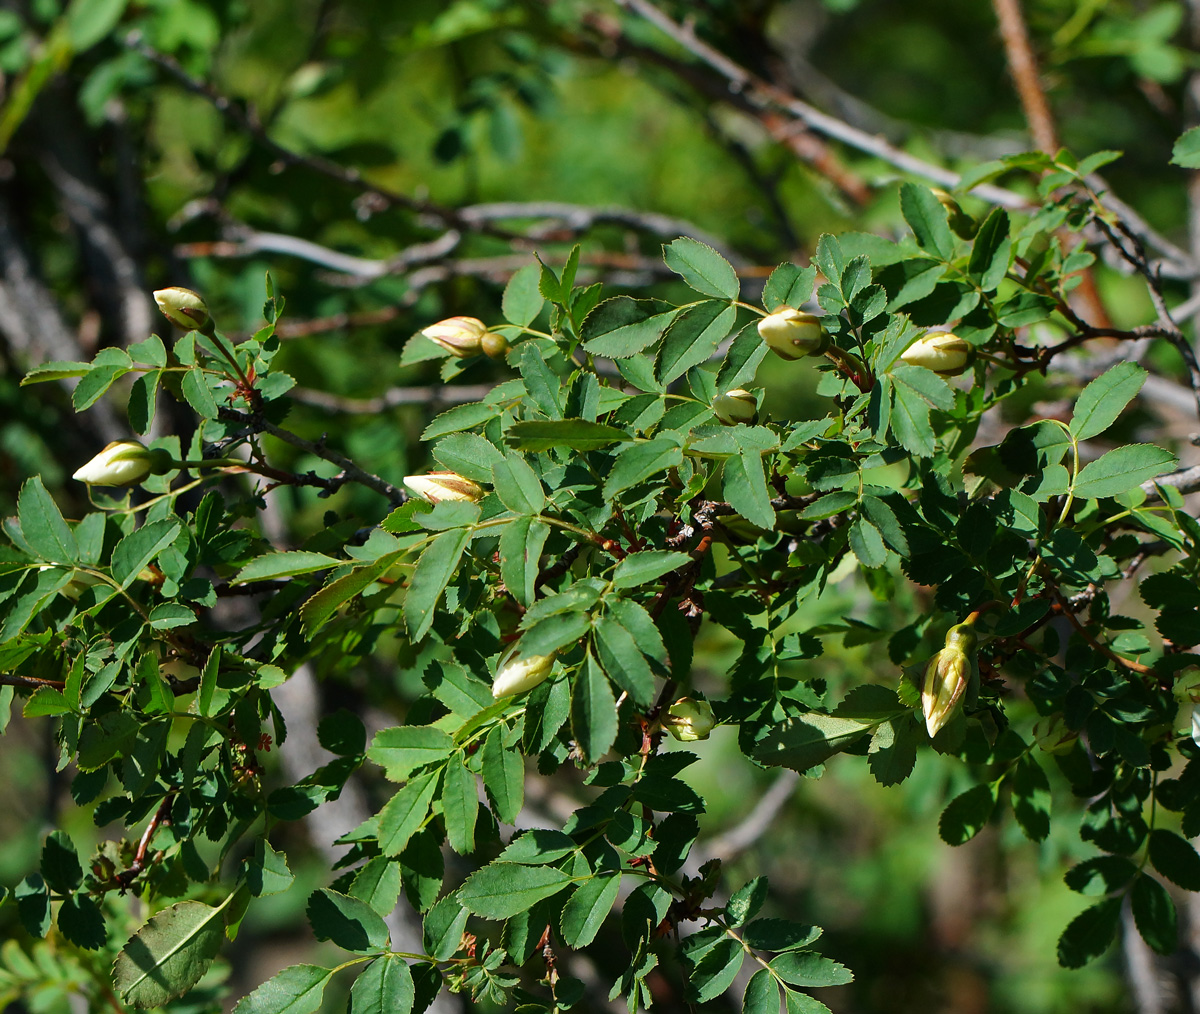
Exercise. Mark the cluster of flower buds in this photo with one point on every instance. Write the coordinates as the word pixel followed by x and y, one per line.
pixel 947 676
pixel 184 308
pixel 736 406
pixel 689 719
pixel 438 486
pixel 793 334
pixel 517 673
pixel 464 337
pixel 942 352
pixel 125 463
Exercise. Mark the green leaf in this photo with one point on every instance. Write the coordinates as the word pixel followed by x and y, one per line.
pixel 89 21
pixel 1154 913
pixel 460 805
pixel 277 565
pixel 893 751
pixel 745 355
pixel 788 285
pixel 762 994
pixel 199 395
pixel 42 525
pixel 469 455
pixel 780 935
pixel 1031 798
pixel 639 462
pixel 167 956
pixel 95 383
pixel 579 434
pixel 1121 469
pixel 298 989
pixel 808 968
pixel 746 901
pixel 910 421
pixel 60 863
pixel 33 905
pixel 340 590
pixel 1089 934
pixel 55 370
pixel 744 485
pixel 867 543
pixel 702 268
pixel 804 741
pixel 646 566
pixel 443 928
pixel 267 872
pixel 503 777
pixel 693 337
pixel 802 1003
pixel 1105 398
pixel 715 971
pixel 926 217
pixel 350 923
pixel 1101 875
pixel 623 660
pixel 378 884
pixel 517 485
pixel 403 749
pixel 386 987
pixel 621 327
pixel 925 383
pixel 992 251
pixel 139 547
pixel 1187 149
pixel 588 907
pixel 81 921
pixel 541 382
pixel 539 846
pixel 502 890
pixel 522 301
pixel 967 815
pixel 1175 858
pixel 433 572
pixel 593 711
pixel 404 814
pixel 521 546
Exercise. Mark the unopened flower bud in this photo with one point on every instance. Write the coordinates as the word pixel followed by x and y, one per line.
pixel 736 406
pixel 793 334
pixel 460 336
pixel 942 352
pixel 438 486
pixel 516 673
pixel 961 224
pixel 946 677
pixel 183 308
pixel 689 719
pixel 124 463
pixel 494 346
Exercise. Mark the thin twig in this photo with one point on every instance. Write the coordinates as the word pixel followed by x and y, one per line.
pixel 1024 69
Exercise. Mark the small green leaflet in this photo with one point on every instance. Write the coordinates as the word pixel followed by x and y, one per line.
pixel 296 990
pixel 702 268
pixel 1121 469
pixel 501 890
pixel 1105 398
pixel 167 956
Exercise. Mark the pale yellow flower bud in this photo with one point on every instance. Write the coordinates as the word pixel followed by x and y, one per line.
pixel 946 677
pixel 183 308
pixel 942 352
pixel 793 334
pixel 124 463
pixel 736 406
pixel 460 336
pixel 438 486
pixel 516 674
pixel 689 719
